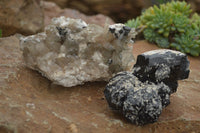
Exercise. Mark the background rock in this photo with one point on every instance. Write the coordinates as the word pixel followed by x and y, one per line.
pixel 29 103
pixel 118 10
pixel 27 17
pixel 21 16
pixel 51 10
pixel 60 3
pixel 195 4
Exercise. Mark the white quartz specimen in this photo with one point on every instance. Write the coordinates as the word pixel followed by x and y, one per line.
pixel 70 52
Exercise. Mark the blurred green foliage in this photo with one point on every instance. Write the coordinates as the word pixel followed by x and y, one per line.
pixel 0 33
pixel 171 25
pixel 134 23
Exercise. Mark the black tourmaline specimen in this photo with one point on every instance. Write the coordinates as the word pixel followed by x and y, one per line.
pixel 142 94
pixel 165 66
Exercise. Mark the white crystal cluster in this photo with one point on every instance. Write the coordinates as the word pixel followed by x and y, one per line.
pixel 70 52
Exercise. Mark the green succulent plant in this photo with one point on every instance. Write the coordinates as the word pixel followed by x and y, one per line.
pixel 170 26
pixel 189 41
pixel 133 23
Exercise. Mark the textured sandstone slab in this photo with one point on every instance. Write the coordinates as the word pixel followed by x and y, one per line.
pixel 71 52
pixel 28 103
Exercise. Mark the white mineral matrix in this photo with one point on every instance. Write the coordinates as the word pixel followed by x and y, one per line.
pixel 70 52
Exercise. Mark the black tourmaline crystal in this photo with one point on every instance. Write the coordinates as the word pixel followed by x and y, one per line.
pixel 141 95
pixel 165 66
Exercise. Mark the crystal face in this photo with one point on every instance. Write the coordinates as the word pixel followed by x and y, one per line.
pixel 141 95
pixel 70 52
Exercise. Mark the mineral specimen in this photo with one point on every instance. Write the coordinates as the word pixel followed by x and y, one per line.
pixel 141 95
pixel 70 52
pixel 165 66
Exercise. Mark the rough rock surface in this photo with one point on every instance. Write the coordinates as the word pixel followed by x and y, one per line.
pixel 118 10
pixel 71 52
pixel 195 5
pixel 60 3
pixel 28 102
pixel 51 10
pixel 21 16
pixel 139 102
pixel 142 94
